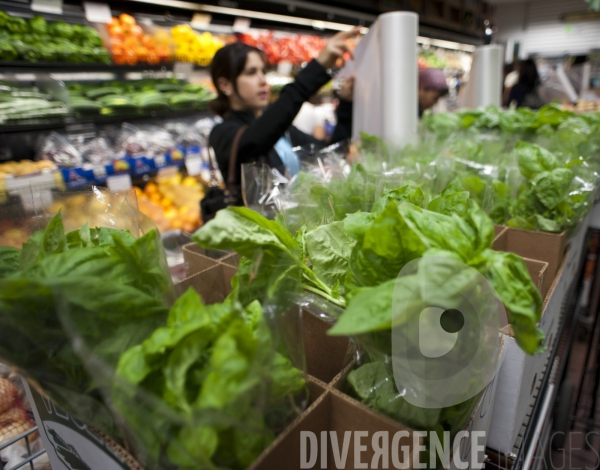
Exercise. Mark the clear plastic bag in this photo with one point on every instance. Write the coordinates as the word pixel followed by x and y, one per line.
pixel 261 187
pixel 97 151
pixel 211 385
pixel 57 149
pixel 53 267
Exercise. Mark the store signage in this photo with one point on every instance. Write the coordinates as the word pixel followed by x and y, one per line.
pixel 69 443
pixel 97 12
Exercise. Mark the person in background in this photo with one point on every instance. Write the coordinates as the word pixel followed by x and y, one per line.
pixel 511 77
pixel 238 73
pixel 432 86
pixel 525 92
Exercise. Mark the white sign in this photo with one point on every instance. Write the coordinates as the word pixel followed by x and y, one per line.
pixel 97 12
pixel 241 25
pixel 193 165
pixel 200 19
pixel 118 183
pixel 54 7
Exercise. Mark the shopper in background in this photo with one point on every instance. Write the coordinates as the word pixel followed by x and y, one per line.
pixel 511 77
pixel 526 92
pixel 432 86
pixel 266 133
pixel 313 118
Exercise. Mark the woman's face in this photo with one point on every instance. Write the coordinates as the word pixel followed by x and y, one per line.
pixel 252 87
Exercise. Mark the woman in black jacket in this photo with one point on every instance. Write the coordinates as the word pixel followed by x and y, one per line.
pixel 238 73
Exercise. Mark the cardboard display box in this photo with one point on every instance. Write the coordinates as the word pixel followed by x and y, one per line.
pixel 521 375
pixel 479 422
pixel 542 246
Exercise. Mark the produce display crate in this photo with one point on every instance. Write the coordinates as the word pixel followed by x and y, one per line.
pixel 328 360
pixel 543 246
pixel 521 376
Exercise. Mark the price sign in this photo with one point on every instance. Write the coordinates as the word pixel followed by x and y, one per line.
pixel 54 7
pixel 97 12
pixel 160 161
pixel 241 25
pixel 99 172
pixel 119 183
pixel 193 165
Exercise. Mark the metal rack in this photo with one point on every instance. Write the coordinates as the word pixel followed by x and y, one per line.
pixel 28 461
pixel 533 442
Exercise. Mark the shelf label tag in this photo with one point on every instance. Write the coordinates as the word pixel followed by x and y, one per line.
pixel 99 172
pixel 241 25
pixel 183 68
pixel 97 12
pixel 54 7
pixel 160 161
pixel 118 183
pixel 200 20
pixel 193 165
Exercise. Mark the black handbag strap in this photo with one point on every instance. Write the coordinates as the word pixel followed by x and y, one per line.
pixel 233 155
pixel 214 181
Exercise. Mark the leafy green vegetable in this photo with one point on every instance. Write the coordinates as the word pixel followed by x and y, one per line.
pixel 218 361
pixel 53 288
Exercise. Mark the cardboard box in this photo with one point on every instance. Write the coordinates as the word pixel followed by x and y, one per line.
pixel 480 420
pixel 542 246
pixel 196 259
pixel 520 375
pixel 213 283
pixel 326 355
pixel 232 259
pixel 337 413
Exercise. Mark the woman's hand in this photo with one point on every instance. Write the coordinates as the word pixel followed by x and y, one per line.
pixel 346 92
pixel 336 47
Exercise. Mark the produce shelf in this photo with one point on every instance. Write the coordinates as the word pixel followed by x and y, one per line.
pixel 530 449
pixel 25 66
pixel 75 178
pixel 65 123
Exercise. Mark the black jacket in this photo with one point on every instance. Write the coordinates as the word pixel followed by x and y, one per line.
pixel 257 141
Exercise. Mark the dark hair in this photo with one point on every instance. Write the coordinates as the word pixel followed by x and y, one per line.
pixel 528 74
pixel 229 63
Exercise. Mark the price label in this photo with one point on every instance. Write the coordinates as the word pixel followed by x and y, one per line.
pixel 119 183
pixel 284 68
pixel 193 165
pixel 99 172
pixel 241 25
pixel 200 19
pixel 54 7
pixel 183 68
pixel 97 12
pixel 160 161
